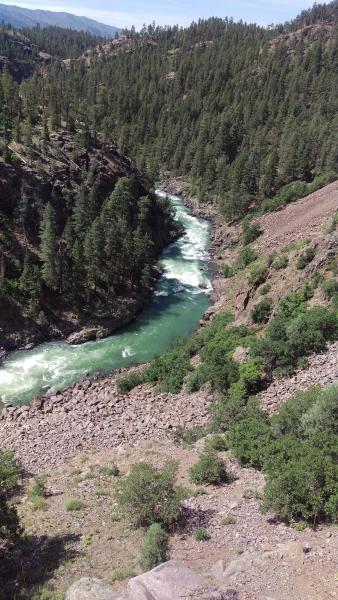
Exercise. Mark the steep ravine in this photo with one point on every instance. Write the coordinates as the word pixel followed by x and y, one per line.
pixel 179 301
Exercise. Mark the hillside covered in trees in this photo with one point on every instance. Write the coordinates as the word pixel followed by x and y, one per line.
pixel 242 110
pixel 247 114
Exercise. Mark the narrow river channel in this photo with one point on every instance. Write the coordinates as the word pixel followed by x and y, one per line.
pixel 175 309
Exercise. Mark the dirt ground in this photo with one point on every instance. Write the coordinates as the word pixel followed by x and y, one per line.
pixel 97 542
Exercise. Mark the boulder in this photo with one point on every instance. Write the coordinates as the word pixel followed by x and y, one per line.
pixel 170 581
pixel 91 588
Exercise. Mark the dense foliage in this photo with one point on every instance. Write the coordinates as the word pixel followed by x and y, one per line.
pixel 297 449
pixel 236 107
pixel 9 475
pixel 148 495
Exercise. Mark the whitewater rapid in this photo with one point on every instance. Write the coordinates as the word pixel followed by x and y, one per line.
pixel 179 300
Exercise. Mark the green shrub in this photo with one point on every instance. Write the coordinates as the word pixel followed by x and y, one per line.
pixel 38 503
pixel 181 435
pixel 251 374
pixel 38 488
pixel 227 270
pixel 201 535
pixel 305 258
pixel 222 370
pixel 127 382
pixel 229 520
pixel 289 418
pixel 250 438
pixel 265 289
pixel 321 416
pixel 217 442
pixel 149 495
pixel 112 471
pixel 260 313
pixel 209 469
pixel 9 475
pixel 258 274
pixel 247 256
pixel 121 573
pixel 170 369
pixel 74 505
pixel 304 488
pixel 333 225
pixel 197 378
pixel 154 548
pixel 250 231
pixel 294 333
pixel 280 262
pixel 330 288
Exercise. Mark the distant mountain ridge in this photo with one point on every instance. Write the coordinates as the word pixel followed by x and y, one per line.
pixel 25 17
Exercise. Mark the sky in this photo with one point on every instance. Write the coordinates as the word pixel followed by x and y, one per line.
pixel 124 13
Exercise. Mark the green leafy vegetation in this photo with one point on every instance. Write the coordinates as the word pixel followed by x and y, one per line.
pixel 154 547
pixel 112 471
pixel 74 504
pixel 9 475
pixel 305 258
pixel 229 520
pixel 201 535
pixel 260 313
pixel 209 469
pixel 296 449
pixel 149 495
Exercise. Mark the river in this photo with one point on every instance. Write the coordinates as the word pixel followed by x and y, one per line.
pixel 179 300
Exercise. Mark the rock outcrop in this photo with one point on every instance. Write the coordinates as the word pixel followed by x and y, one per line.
pixel 91 588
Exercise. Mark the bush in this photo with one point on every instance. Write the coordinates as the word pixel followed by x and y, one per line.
pixel 258 274
pixel 321 416
pixel 260 312
pixel 280 262
pixel 38 503
pixel 227 270
pixel 170 369
pixel 221 370
pixel 250 231
pixel 209 469
pixel 305 258
pixel 201 535
pixel 294 333
pixel 121 573
pixel 127 382
pixel 250 438
pixel 149 495
pixel 247 256
pixel 304 488
pixel 9 475
pixel 229 520
pixel 112 471
pixel 216 442
pixel 181 435
pixel 265 289
pixel 74 505
pixel 330 288
pixel 38 488
pixel 154 548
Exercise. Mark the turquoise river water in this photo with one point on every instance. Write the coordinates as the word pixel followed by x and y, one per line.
pixel 175 309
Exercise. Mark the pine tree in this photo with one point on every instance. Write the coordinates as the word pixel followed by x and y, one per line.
pixel 48 248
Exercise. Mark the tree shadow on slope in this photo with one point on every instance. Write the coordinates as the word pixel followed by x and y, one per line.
pixel 32 561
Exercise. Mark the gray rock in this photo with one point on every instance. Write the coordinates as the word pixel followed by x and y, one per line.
pixel 171 581
pixel 91 588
